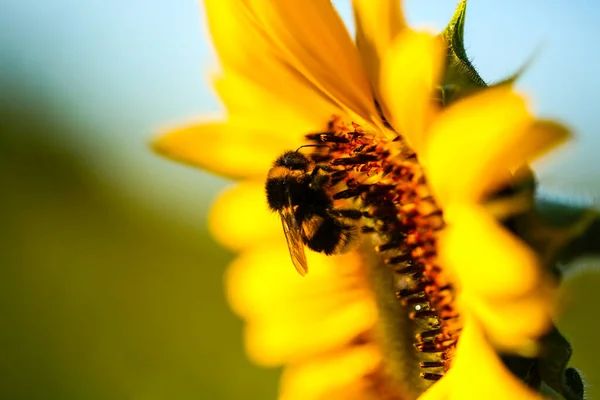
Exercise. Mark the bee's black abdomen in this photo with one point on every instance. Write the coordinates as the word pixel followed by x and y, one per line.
pixel 332 237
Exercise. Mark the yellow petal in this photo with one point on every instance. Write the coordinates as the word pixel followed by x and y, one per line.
pixel 410 73
pixel 475 143
pixel 225 149
pixel 290 317
pixel 477 373
pixel 277 341
pixel 539 137
pixel 291 111
pixel 484 258
pixel 263 282
pixel 514 325
pixel 467 136
pixel 266 41
pixel 323 378
pixel 377 25
pixel 240 217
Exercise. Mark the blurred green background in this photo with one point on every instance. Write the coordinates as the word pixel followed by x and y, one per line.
pixel 110 286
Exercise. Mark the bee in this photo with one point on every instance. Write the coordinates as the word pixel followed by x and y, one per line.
pixel 300 192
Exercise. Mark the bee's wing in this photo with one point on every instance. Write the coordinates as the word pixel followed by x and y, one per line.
pixel 293 235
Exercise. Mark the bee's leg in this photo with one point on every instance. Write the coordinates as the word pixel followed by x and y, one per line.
pixel 351 192
pixel 346 213
pixel 360 158
pixel 318 168
pixel 368 229
pixel 319 181
pixel 327 137
pixel 337 176
pixel 354 215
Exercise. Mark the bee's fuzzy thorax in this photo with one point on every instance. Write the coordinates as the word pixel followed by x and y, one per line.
pixel 292 160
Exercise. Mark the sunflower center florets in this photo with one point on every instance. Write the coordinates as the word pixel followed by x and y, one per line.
pixel 383 179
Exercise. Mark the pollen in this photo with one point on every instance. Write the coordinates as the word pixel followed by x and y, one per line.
pixel 383 179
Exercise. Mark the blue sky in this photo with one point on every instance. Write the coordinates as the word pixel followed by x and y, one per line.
pixel 124 70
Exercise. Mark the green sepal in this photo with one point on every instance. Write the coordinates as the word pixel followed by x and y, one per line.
pixel 560 232
pixel 517 74
pixel 549 373
pixel 553 368
pixel 460 77
pixel 580 229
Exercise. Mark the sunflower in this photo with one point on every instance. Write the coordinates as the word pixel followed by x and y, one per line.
pixel 384 321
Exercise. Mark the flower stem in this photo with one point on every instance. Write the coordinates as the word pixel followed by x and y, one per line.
pixel 395 330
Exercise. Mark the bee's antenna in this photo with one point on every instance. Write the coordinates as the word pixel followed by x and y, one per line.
pixel 311 145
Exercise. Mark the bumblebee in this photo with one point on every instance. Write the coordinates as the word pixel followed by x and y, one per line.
pixel 300 192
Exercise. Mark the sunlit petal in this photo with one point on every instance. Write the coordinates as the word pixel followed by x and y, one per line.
pixel 514 325
pixel 240 217
pixel 287 337
pixel 225 149
pixel 264 40
pixel 259 277
pixel 290 120
pixel 377 25
pixel 476 142
pixel 292 317
pixel 325 377
pixel 410 73
pixel 539 137
pixel 485 258
pixel 478 373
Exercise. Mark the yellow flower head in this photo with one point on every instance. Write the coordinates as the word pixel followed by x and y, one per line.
pixel 435 286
